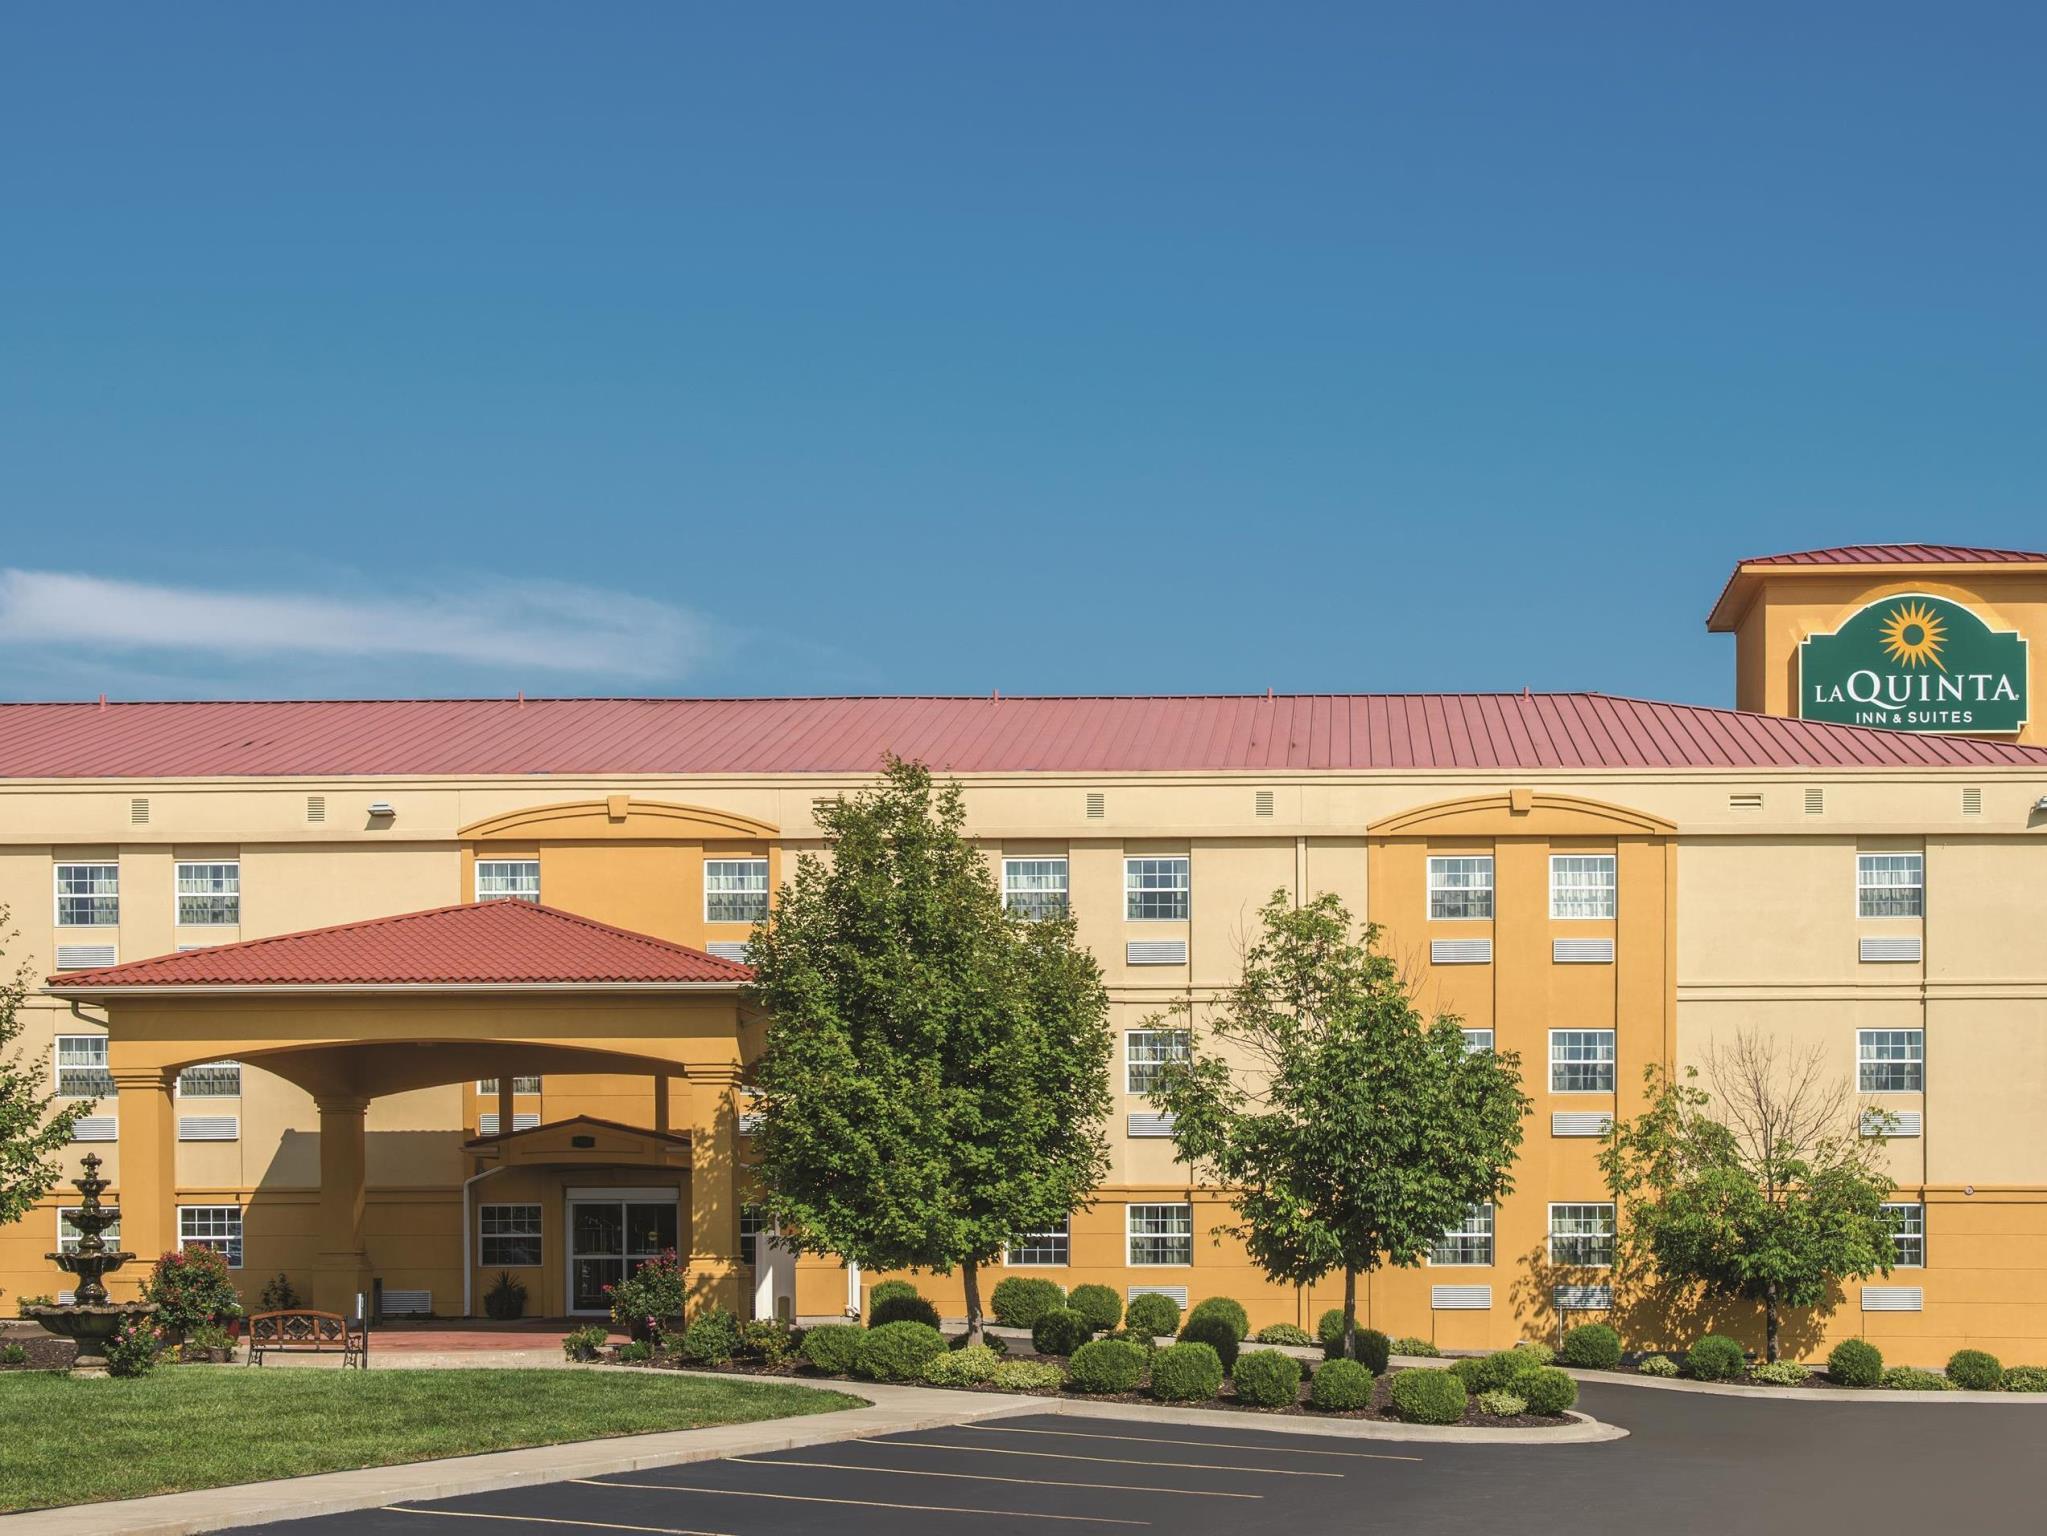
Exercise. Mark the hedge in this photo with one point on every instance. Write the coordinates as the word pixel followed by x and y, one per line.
pixel 1974 1371
pixel 1591 1347
pixel 1856 1363
pixel 898 1351
pixel 1018 1301
pixel 1150 1313
pixel 1223 1307
pixel 1374 1348
pixel 882 1290
pixel 899 1308
pixel 1215 1330
pixel 834 1347
pixel 1428 1397
pixel 1547 1389
pixel 966 1367
pixel 2025 1378
pixel 1060 1332
pixel 1339 1386
pixel 1716 1357
pixel 1186 1373
pixel 1100 1305
pixel 1265 1378
pixel 1106 1365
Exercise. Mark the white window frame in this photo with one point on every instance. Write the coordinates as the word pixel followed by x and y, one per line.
pixel 58 1066
pixel 488 1086
pixel 1473 1044
pixel 1914 1061
pixel 1477 1229
pixel 67 1242
pixel 1131 1234
pixel 1132 1062
pixel 222 1067
pixel 232 897
pixel 1584 893
pixel 752 861
pixel 1877 862
pixel 1550 1240
pixel 227 1242
pixel 1917 1215
pixel 1136 894
pixel 1440 864
pixel 1022 899
pixel 58 893
pixel 506 892
pixel 537 1234
pixel 1057 1240
pixel 1559 1063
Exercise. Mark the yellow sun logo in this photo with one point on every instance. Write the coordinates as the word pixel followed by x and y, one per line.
pixel 1912 636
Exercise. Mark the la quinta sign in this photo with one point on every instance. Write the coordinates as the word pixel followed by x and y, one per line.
pixel 1914 662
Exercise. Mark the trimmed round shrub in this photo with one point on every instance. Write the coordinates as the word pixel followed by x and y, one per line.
pixel 1018 1301
pixel 1138 1336
pixel 1213 1329
pixel 2025 1378
pixel 1060 1332
pixel 1265 1378
pixel 882 1290
pixel 1374 1348
pixel 1657 1365
pixel 1339 1386
pixel 1026 1376
pixel 1856 1363
pixel 1106 1365
pixel 1428 1397
pixel 1223 1307
pixel 1100 1305
pixel 965 1367
pixel 834 1348
pixel 1153 1315
pixel 1909 1378
pixel 1541 1354
pixel 899 1308
pixel 1501 1404
pixel 1191 1372
pixel 1546 1389
pixel 1591 1347
pixel 1778 1373
pixel 1716 1357
pixel 1284 1333
pixel 1975 1371
pixel 1489 1373
pixel 898 1351
pixel 712 1337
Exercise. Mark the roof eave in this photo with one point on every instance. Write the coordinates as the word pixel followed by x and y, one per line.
pixel 89 992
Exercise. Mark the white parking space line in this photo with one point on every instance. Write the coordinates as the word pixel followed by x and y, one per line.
pixel 591 1525
pixel 818 1498
pixel 1113 1461
pixel 1209 1445
pixel 987 1477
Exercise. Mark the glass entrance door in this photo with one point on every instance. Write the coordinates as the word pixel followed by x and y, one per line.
pixel 609 1238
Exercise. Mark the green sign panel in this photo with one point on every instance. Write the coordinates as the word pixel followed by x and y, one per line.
pixel 1915 662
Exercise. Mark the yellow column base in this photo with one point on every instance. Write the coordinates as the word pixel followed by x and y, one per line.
pixel 338 1278
pixel 716 1282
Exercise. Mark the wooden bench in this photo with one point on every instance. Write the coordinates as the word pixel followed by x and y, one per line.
pixel 302 1331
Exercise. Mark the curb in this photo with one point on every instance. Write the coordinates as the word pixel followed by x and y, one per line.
pixel 1806 1394
pixel 1583 1430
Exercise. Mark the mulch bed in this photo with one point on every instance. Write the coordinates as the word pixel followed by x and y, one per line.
pixel 44 1351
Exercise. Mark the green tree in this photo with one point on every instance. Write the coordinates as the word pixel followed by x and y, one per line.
pixel 1349 1129
pixel 32 1133
pixel 1764 1190
pixel 935 1077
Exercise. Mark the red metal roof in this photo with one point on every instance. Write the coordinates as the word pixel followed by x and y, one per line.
pixel 1722 617
pixel 492 943
pixel 1340 732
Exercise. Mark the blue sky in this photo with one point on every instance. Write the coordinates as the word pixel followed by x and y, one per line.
pixel 1050 348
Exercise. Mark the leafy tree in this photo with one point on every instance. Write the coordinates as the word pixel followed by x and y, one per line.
pixel 1350 1129
pixel 32 1132
pixel 936 1073
pixel 1763 1190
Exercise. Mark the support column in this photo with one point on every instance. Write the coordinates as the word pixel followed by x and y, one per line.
pixel 342 1268
pixel 506 1120
pixel 147 1188
pixel 715 1277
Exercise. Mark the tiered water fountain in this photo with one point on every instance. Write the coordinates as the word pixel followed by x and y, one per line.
pixel 89 1319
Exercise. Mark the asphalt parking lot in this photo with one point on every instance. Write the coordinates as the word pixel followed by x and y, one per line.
pixel 1691 1463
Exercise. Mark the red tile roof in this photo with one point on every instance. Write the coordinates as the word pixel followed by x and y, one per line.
pixel 490 944
pixel 1339 732
pixel 1722 617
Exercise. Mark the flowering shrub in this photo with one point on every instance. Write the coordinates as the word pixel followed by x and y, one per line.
pixel 585 1343
pixel 650 1298
pixel 133 1349
pixel 192 1290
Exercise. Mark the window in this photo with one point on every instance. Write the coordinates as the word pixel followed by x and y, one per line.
pixel 1160 1234
pixel 209 895
pixel 1581 885
pixel 211 1080
pixel 1051 1246
pixel 1890 884
pixel 1146 1050
pixel 509 1234
pixel 735 890
pixel 1476 1040
pixel 1471 1243
pixel 488 1086
pixel 753 1223
pixel 1581 1234
pixel 69 1237
pixel 218 1227
pixel 1034 888
pixel 1908 1235
pixel 1156 889
pixel 1461 887
pixel 88 895
pixel 1890 1060
pixel 508 879
pixel 1581 1061
pixel 82 1067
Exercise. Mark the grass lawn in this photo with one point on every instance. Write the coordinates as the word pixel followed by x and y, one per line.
pixel 72 1442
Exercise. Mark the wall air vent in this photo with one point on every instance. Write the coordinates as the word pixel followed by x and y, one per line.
pixel 84 957
pixel 750 1122
pixel 1581 951
pixel 208 1128
pixel 1151 1125
pixel 1745 800
pixel 1972 802
pixel 1460 1298
pixel 1097 805
pixel 1898 1123
pixel 1584 1298
pixel 1177 1292
pixel 522 1120
pixel 1815 802
pixel 1893 1298
pixel 1580 1122
pixel 316 809
pixel 96 1128
pixel 1460 951
pixel 1888 951
pixel 1155 952
pixel 728 949
pixel 1262 802
pixel 822 804
pixel 138 811
pixel 406 1304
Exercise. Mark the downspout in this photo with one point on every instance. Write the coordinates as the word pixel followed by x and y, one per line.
pixel 468 1228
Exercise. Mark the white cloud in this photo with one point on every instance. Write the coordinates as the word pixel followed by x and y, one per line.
pixel 499 624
